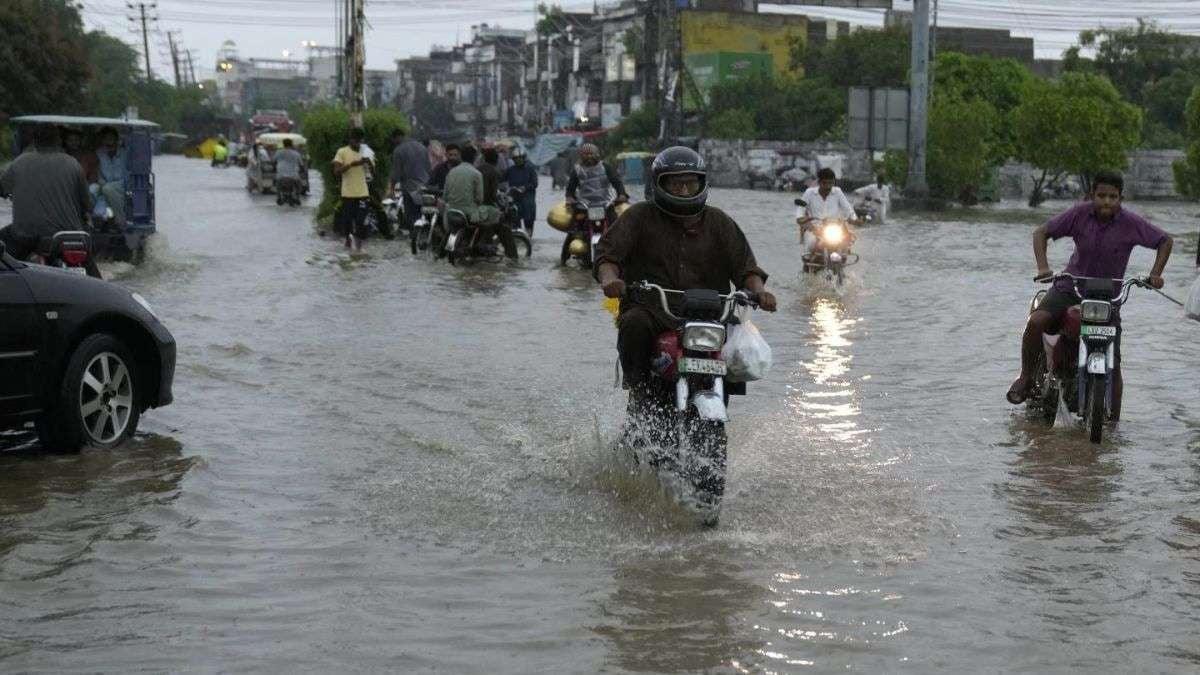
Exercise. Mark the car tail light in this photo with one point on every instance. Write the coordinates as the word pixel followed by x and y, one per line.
pixel 75 257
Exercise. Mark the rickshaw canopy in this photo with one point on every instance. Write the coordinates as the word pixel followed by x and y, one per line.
pixel 71 121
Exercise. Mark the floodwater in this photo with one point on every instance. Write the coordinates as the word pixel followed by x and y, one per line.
pixel 389 464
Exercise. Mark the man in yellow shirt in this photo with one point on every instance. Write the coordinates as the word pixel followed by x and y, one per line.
pixel 349 165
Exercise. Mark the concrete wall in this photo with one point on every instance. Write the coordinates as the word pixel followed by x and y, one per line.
pixel 743 164
pixel 1148 176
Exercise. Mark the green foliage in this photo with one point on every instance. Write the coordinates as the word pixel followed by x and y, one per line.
pixel 865 58
pixel 734 123
pixel 1149 66
pixel 1187 170
pixel 783 107
pixel 1187 173
pixel 1000 83
pixel 959 152
pixel 638 131
pixel 894 168
pixel 1079 125
pixel 43 58
pixel 327 128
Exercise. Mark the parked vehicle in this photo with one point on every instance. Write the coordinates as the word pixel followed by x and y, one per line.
pixel 112 238
pixel 1077 364
pixel 688 381
pixel 80 358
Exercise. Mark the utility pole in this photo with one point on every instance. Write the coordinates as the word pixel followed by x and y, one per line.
pixel 174 56
pixel 191 67
pixel 670 45
pixel 142 7
pixel 357 85
pixel 918 102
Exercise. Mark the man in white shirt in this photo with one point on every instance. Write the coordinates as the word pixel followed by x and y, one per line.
pixel 826 201
pixel 877 196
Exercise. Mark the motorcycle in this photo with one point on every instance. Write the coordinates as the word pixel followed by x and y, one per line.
pixel 288 192
pixel 467 245
pixel 588 224
pixel 507 201
pixel 868 209
pixel 70 250
pixel 689 395
pixel 832 251
pixel 394 211
pixel 1076 366
pixel 428 235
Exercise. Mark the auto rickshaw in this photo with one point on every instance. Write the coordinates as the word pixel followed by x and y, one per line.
pixel 260 174
pixel 113 236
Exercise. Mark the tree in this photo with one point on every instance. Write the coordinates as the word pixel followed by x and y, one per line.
pixel 1079 125
pixel 638 131
pixel 327 129
pixel 783 107
pixel 734 123
pixel 1187 170
pixel 1000 83
pixel 42 58
pixel 865 58
pixel 960 152
pixel 1150 67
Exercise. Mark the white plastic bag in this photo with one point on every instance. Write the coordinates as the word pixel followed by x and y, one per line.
pixel 1192 306
pixel 747 355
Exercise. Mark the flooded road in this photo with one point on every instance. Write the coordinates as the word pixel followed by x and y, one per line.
pixel 390 464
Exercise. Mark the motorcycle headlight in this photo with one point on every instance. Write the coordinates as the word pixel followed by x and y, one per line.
pixel 1095 311
pixel 833 234
pixel 703 337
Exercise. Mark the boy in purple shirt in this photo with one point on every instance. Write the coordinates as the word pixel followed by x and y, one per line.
pixel 1104 235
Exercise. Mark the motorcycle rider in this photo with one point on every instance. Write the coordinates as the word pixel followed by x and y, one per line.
pixel 491 175
pixel 522 178
pixel 410 173
pixel 592 181
pixel 878 192
pixel 823 201
pixel 1104 234
pixel 465 192
pixel 288 165
pixel 49 195
pixel 437 178
pixel 679 242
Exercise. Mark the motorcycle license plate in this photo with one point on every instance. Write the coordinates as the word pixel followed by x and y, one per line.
pixel 701 366
pixel 596 213
pixel 1099 331
pixel 77 270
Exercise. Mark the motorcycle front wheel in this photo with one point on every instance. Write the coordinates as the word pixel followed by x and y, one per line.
pixel 706 458
pixel 1097 387
pixel 523 243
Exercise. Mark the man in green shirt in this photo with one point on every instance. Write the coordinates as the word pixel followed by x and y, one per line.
pixel 348 164
pixel 464 192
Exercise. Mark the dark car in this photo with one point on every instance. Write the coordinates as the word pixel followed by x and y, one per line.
pixel 79 357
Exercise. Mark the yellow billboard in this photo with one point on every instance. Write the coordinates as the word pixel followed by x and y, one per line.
pixel 745 33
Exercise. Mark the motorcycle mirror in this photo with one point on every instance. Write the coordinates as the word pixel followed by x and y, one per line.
pixel 801 202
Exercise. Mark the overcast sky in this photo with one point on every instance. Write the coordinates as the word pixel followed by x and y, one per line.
pixel 401 28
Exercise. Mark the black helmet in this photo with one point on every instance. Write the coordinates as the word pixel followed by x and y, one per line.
pixel 674 161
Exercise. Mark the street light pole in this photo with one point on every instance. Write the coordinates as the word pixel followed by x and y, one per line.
pixel 918 102
pixel 357 91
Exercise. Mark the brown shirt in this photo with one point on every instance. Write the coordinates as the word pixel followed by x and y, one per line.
pixel 711 252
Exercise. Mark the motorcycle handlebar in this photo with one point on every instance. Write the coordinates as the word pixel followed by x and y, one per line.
pixel 1126 284
pixel 732 300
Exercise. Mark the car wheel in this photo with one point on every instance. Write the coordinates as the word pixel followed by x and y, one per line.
pixel 97 400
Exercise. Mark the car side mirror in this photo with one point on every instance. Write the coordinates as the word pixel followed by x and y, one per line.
pixel 801 202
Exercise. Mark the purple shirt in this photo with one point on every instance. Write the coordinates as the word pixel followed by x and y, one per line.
pixel 1101 248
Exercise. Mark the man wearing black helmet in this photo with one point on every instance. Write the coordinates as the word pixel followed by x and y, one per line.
pixel 677 241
